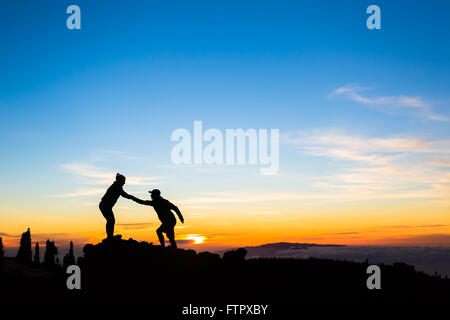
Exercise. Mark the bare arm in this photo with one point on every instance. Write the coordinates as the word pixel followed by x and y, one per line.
pixel 178 212
pixel 144 202
pixel 126 195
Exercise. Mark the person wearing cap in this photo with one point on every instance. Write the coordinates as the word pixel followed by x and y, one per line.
pixel 109 200
pixel 163 209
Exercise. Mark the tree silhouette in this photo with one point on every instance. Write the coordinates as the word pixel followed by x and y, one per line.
pixel 69 258
pixel 37 258
pixel 235 256
pixel 50 252
pixel 1 249
pixel 24 253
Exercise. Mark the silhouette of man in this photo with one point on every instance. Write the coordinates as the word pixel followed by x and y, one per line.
pixel 164 209
pixel 109 200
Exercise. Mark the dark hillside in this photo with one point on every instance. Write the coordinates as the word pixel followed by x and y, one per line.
pixel 127 268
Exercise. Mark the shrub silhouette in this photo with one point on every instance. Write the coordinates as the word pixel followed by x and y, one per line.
pixel 24 253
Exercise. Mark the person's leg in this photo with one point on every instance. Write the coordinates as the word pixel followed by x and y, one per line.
pixel 110 220
pixel 159 232
pixel 170 232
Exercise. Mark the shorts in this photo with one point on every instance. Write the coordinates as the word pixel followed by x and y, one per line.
pixel 106 211
pixel 167 226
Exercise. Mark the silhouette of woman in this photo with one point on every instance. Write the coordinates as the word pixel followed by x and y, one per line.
pixel 109 200
pixel 164 209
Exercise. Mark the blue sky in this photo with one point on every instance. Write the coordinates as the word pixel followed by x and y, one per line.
pixel 108 96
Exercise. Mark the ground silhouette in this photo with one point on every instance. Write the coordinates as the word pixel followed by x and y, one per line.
pixel 126 269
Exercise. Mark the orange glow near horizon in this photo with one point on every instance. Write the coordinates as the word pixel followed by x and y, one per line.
pixel 348 224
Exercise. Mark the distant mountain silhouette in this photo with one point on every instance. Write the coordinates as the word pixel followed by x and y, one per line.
pixel 291 245
pixel 127 268
pixel 279 248
pixel 431 260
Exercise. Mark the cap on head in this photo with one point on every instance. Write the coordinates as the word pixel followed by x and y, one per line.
pixel 155 192
pixel 120 178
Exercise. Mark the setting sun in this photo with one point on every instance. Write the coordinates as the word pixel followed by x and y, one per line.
pixel 197 239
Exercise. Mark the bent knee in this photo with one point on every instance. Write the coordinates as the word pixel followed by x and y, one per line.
pixel 170 235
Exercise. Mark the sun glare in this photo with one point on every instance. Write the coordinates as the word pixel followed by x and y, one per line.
pixel 197 239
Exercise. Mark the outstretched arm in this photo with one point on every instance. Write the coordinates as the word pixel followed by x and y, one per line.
pixel 178 212
pixel 126 195
pixel 144 202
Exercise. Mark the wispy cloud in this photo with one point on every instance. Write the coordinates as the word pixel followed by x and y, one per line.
pixel 438 161
pixel 90 174
pixel 339 145
pixel 78 193
pixel 136 226
pixel 264 212
pixel 424 226
pixel 8 235
pixel 390 104
pixel 381 167
pixel 343 192
pixel 58 237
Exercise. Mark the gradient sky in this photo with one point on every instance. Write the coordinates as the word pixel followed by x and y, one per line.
pixel 364 118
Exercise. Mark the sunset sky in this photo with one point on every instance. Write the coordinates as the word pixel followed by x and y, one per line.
pixel 364 119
